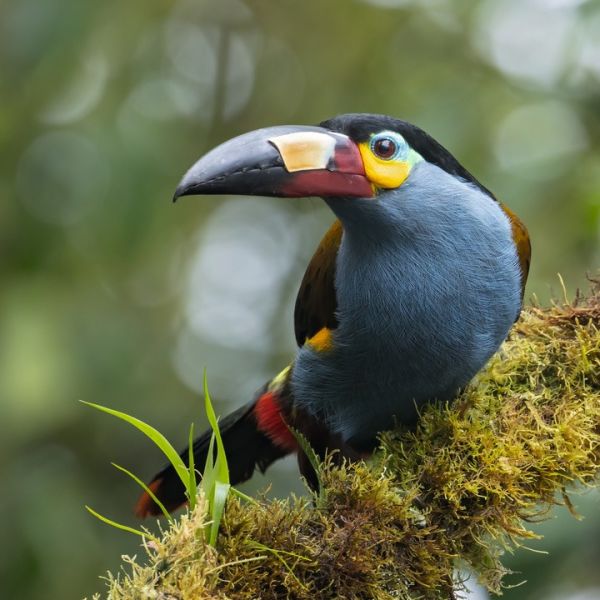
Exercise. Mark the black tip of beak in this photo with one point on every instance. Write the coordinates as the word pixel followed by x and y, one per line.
pixel 186 188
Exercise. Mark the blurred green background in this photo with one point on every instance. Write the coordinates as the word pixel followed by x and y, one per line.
pixel 113 295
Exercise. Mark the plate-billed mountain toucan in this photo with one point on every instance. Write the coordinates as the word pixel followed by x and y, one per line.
pixel 411 291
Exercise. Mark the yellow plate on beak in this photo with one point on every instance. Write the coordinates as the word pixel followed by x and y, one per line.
pixel 305 150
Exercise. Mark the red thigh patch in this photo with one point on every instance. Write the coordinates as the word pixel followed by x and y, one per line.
pixel 270 421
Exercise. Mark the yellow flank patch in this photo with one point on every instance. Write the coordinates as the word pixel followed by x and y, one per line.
pixel 322 340
pixel 386 174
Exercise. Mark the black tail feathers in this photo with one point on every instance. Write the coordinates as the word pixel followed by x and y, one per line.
pixel 246 448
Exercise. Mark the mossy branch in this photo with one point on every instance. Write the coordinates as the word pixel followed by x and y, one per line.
pixel 462 488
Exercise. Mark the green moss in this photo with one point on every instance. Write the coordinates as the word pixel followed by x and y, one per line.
pixel 461 488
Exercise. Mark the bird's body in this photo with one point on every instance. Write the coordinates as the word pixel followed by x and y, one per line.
pixel 421 308
pixel 410 293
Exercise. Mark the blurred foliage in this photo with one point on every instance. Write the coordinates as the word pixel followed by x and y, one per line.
pixel 112 295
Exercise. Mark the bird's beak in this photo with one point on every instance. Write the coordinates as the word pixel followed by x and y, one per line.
pixel 289 161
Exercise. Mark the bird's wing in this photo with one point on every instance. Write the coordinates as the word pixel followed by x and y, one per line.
pixel 521 239
pixel 316 302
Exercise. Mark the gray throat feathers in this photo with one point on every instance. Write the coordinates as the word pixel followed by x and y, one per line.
pixel 428 286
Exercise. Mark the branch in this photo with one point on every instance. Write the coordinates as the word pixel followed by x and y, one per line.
pixel 461 488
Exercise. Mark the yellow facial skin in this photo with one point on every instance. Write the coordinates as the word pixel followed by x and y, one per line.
pixel 388 173
pixel 384 174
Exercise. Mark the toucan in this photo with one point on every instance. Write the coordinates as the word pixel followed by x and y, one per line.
pixel 411 291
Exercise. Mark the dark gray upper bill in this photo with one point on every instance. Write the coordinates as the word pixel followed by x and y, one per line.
pixel 220 170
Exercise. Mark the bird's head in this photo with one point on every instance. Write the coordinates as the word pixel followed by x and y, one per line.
pixel 352 161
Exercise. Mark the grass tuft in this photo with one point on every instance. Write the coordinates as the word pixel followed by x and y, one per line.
pixel 214 484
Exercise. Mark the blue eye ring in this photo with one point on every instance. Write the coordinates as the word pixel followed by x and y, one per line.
pixel 388 145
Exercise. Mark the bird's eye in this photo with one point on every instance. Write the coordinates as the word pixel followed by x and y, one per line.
pixel 388 145
pixel 384 148
pixel 388 159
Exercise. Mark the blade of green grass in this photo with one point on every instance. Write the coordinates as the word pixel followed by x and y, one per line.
pixel 120 525
pixel 215 479
pixel 146 489
pixel 243 496
pixel 209 474
pixel 219 501
pixel 158 438
pixel 192 492
pixel 207 483
pixel 221 462
pixel 310 454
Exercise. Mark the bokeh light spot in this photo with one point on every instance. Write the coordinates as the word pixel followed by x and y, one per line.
pixel 245 249
pixel 525 42
pixel 191 50
pixel 81 95
pixel 539 140
pixel 239 79
pixel 389 3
